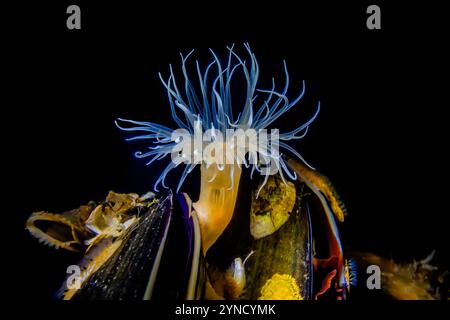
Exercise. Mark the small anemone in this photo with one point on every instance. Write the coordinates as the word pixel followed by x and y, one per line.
pixel 207 104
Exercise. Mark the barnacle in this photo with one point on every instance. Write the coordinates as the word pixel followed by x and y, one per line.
pixel 272 208
pixel 67 230
pixel 111 218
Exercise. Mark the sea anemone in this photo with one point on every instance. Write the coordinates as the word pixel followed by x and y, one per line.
pixel 206 105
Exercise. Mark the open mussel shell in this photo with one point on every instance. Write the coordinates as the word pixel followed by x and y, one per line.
pixel 158 258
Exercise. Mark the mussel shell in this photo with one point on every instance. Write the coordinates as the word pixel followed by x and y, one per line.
pixel 181 274
pixel 288 251
pixel 128 273
pixel 153 262
pixel 159 255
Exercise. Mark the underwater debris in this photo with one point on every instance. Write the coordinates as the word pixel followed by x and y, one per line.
pixel 417 280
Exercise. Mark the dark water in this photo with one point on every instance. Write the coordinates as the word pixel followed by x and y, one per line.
pixel 380 137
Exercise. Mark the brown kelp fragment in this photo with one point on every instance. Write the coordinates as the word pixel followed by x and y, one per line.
pixel 416 280
pixel 320 185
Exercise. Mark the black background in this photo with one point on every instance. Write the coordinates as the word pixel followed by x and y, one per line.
pixel 381 136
